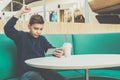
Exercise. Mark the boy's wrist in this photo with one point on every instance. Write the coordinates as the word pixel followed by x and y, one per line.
pixel 19 13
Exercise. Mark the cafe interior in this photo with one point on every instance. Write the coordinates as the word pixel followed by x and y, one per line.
pixel 92 26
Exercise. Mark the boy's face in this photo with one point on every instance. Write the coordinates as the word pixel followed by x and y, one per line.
pixel 35 29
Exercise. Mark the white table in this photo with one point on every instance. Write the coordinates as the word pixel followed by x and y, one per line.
pixel 76 62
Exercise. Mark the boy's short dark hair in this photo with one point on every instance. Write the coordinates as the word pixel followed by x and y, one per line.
pixel 36 19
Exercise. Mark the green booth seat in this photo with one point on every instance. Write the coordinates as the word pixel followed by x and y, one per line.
pixel 7 58
pixel 113 74
pixel 102 43
pixel 105 73
pixel 71 74
pixel 13 79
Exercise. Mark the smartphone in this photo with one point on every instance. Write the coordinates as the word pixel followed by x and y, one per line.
pixel 52 50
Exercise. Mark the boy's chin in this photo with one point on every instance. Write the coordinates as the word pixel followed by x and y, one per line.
pixel 35 36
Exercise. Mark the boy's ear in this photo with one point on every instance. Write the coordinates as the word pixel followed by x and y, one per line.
pixel 28 26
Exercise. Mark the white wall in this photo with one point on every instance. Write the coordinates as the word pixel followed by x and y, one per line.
pixel 92 18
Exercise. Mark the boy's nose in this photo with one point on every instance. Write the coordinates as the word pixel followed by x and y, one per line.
pixel 38 32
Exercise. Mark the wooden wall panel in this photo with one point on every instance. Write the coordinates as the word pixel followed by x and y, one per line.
pixel 68 28
pixel 76 28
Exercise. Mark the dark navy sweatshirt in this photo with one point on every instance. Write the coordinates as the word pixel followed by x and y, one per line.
pixel 27 46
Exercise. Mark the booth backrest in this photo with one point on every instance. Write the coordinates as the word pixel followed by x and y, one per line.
pixel 58 40
pixel 102 43
pixel 7 57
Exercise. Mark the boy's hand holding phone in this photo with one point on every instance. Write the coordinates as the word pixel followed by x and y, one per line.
pixel 58 52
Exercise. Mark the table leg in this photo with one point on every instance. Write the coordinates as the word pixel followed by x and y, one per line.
pixel 86 74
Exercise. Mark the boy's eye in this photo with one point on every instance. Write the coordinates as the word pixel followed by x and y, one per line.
pixel 41 28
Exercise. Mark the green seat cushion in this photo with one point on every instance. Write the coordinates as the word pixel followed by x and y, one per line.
pixel 69 74
pixel 13 79
pixel 115 74
pixel 102 43
pixel 7 57
pixel 106 73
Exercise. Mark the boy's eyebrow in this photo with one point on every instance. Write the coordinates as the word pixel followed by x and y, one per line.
pixel 35 28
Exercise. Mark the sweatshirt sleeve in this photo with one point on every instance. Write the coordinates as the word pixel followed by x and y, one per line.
pixel 10 30
pixel 47 44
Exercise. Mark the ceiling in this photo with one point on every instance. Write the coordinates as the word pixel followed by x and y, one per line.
pixel 109 6
pixel 17 4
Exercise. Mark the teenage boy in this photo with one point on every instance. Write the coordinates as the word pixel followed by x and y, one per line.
pixel 31 45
